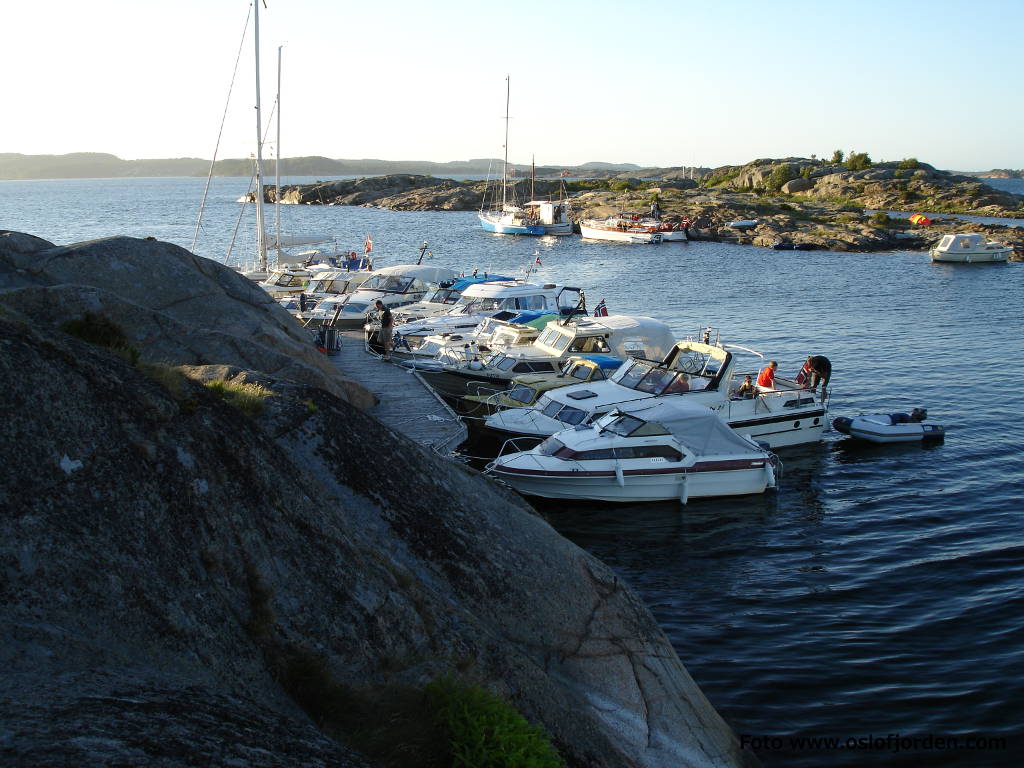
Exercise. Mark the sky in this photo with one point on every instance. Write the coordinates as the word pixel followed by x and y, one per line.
pixel 651 82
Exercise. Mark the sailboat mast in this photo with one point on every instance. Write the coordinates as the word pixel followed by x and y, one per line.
pixel 261 234
pixel 277 162
pixel 504 166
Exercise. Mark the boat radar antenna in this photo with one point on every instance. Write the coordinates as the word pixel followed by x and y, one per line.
pixel 423 249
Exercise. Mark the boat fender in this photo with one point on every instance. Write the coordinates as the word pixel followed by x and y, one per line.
pixel 842 424
pixel 619 478
pixel 684 491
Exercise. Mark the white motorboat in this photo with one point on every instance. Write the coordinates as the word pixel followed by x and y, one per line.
pixel 395 286
pixel 970 249
pixel 553 215
pixel 650 451
pixel 621 336
pixel 696 372
pixel 620 229
pixel 506 297
pixel 493 334
pixel 891 427
pixel 323 284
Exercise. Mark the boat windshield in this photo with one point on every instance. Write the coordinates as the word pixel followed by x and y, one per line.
pixel 623 426
pixel 522 394
pixel 550 447
pixel 389 283
pixel 564 413
pixel 644 377
pixel 490 304
pixel 442 296
pixel 327 285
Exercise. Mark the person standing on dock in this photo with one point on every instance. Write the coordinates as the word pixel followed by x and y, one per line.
pixel 387 328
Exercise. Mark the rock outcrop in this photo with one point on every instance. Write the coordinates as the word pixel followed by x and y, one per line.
pixel 175 307
pixel 186 584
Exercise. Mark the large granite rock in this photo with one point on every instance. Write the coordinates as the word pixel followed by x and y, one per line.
pixel 166 559
pixel 175 307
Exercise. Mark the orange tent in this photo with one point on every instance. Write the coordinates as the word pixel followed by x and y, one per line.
pixel 920 219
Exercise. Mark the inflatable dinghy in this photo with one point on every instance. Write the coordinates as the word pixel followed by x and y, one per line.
pixel 890 427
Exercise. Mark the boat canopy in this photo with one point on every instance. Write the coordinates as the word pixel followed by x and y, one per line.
pixel 627 335
pixel 697 428
pixel 962 242
pixel 418 271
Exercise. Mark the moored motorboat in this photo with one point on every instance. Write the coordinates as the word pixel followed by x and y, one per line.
pixel 970 248
pixel 703 373
pixel 653 451
pixel 620 229
pixel 890 427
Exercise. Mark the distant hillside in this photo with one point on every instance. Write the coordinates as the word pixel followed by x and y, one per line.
pixel 92 165
pixel 85 165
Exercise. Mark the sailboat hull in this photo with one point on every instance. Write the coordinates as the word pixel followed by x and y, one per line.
pixel 494 224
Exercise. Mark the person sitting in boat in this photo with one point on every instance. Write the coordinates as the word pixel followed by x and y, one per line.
pixel 679 384
pixel 747 388
pixel 766 378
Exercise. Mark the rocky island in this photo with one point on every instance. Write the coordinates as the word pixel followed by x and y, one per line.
pixel 837 206
pixel 214 555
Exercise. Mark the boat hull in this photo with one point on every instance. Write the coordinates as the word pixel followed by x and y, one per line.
pixel 977 257
pixel 638 485
pixel 490 224
pixel 620 235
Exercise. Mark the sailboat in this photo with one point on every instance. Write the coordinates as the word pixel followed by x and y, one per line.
pixel 291 272
pixel 509 218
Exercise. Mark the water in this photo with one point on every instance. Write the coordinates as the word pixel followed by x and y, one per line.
pixel 880 590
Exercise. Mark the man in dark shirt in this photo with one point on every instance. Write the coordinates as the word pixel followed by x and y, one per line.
pixel 821 370
pixel 387 328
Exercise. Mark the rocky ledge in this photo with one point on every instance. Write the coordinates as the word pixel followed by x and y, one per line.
pixel 188 582
pixel 795 201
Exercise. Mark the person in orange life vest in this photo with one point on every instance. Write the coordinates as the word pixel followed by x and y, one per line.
pixel 766 378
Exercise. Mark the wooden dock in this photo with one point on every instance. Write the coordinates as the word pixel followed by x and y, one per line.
pixel 407 404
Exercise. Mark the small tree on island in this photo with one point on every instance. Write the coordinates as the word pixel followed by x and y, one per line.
pixel 838 156
pixel 858 161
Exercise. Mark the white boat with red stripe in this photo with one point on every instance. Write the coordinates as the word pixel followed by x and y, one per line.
pixel 656 450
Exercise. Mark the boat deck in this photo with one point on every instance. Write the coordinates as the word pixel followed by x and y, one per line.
pixel 407 405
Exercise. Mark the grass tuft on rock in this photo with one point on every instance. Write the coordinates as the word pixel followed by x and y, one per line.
pixel 246 397
pixel 99 330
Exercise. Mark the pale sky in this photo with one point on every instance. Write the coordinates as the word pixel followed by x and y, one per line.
pixel 652 82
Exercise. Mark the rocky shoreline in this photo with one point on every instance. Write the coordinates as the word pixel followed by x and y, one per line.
pixel 795 201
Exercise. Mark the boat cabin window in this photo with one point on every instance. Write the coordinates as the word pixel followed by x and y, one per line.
pixel 522 394
pixel 656 381
pixel 356 306
pixel 648 452
pixel 531 302
pixel 284 280
pixel 590 344
pixel 503 362
pixel 631 374
pixel 584 372
pixel 552 338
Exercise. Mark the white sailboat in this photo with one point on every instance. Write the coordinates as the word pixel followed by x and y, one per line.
pixel 509 218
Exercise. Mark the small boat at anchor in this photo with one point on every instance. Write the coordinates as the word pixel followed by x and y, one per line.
pixel 970 249
pixel 891 427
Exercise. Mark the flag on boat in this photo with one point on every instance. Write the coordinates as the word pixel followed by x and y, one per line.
pixel 601 310
pixel 368 245
pixel 920 219
pixel 537 262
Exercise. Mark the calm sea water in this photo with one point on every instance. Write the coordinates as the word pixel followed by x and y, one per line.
pixel 881 590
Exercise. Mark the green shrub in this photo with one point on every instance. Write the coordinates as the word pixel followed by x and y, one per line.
pixel 780 175
pixel 806 171
pixel 248 398
pixel 837 156
pixel 908 164
pixel 879 219
pixel 621 186
pixel 716 180
pixel 485 730
pixel 101 331
pixel 858 161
